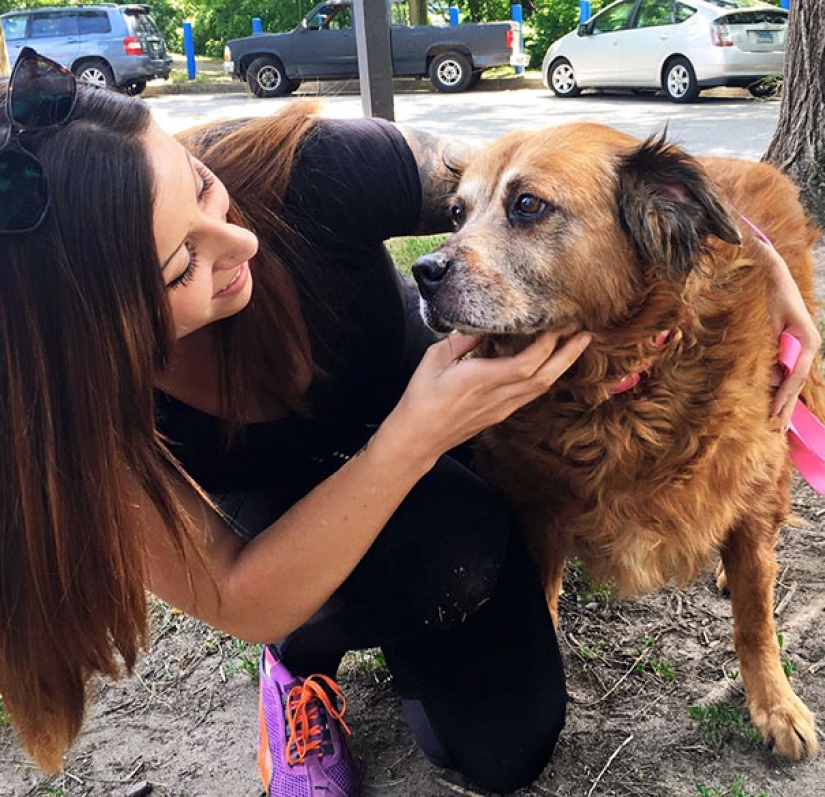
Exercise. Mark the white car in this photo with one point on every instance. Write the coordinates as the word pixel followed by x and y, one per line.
pixel 680 46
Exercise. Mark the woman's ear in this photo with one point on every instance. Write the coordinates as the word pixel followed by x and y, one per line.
pixel 668 207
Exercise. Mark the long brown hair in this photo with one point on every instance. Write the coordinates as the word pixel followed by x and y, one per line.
pixel 265 347
pixel 84 330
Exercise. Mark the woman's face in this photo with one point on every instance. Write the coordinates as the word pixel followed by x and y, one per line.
pixel 204 258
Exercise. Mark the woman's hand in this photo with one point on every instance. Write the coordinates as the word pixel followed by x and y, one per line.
pixel 450 399
pixel 789 314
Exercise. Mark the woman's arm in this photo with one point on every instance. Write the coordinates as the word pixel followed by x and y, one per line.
pixel 789 314
pixel 440 163
pixel 262 590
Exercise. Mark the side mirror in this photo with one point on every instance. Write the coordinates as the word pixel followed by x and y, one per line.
pixel 584 29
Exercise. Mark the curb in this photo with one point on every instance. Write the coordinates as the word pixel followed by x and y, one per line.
pixel 316 88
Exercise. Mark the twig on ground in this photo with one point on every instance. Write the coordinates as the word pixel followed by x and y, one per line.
pixel 609 762
pixel 643 655
pixel 454 787
pixel 783 604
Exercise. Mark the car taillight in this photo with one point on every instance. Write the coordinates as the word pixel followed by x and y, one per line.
pixel 508 39
pixel 720 34
pixel 133 46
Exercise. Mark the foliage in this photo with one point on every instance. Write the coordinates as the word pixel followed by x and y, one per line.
pixel 718 723
pixel 405 251
pixel 736 789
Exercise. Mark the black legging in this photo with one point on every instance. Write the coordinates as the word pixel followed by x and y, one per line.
pixel 454 601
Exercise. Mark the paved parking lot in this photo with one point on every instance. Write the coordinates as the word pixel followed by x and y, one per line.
pixel 722 122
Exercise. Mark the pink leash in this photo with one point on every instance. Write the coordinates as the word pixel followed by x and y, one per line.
pixel 806 433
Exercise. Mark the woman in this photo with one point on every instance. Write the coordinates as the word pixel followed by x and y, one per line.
pixel 271 461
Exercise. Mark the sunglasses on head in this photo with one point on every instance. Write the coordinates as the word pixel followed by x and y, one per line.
pixel 40 94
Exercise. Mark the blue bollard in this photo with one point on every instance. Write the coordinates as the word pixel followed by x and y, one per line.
pixel 785 3
pixel 518 16
pixel 584 10
pixel 256 25
pixel 189 50
pixel 453 15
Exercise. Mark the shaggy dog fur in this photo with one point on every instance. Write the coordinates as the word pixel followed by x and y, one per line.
pixel 583 224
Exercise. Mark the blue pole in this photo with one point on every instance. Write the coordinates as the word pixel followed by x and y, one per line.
pixel 256 25
pixel 785 3
pixel 518 16
pixel 584 10
pixel 453 15
pixel 189 50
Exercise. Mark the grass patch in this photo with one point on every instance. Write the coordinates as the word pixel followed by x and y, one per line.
pixel 405 251
pixel 371 664
pixel 5 719
pixel 587 591
pixel 245 658
pixel 736 789
pixel 661 669
pixel 719 723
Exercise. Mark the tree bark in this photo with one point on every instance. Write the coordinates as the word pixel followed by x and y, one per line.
pixel 418 12
pixel 798 145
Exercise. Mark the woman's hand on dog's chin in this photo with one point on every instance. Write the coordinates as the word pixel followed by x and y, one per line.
pixel 789 314
pixel 451 399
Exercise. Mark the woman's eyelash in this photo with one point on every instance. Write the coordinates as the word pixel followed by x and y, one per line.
pixel 185 277
pixel 207 182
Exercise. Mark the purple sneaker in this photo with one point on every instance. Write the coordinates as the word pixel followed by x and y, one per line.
pixel 301 747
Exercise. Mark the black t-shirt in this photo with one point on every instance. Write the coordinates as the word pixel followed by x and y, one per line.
pixel 355 184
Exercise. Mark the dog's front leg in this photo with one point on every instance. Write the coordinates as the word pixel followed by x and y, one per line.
pixel 549 547
pixel 782 719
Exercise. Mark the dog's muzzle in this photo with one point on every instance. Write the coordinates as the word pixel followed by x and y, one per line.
pixel 429 271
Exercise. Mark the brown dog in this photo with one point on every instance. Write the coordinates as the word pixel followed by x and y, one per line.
pixel 656 451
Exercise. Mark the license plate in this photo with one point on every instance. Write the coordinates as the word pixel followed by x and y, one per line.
pixel 519 59
pixel 764 37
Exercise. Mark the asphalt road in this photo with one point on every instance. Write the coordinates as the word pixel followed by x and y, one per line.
pixel 722 122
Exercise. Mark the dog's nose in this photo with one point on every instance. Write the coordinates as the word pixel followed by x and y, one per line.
pixel 428 272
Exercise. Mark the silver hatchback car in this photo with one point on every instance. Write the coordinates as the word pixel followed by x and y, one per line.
pixel 104 44
pixel 680 46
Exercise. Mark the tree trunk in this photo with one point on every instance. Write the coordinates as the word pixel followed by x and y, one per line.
pixel 798 146
pixel 418 12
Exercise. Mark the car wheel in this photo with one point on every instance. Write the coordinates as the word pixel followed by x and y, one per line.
pixel 266 78
pixel 475 79
pixel 562 79
pixel 135 87
pixel 97 73
pixel 765 88
pixel 451 72
pixel 679 81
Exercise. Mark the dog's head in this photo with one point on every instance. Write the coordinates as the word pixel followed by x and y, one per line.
pixel 567 225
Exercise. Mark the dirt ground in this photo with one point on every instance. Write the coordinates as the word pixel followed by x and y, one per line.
pixel 184 725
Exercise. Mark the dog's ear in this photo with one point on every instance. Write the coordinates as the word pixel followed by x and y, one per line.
pixel 667 206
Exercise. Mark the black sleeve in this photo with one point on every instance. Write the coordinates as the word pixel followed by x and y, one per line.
pixel 356 182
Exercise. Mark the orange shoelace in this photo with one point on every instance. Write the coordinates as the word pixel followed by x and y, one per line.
pixel 303 715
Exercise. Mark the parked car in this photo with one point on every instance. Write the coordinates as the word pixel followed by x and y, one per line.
pixel 680 46
pixel 324 46
pixel 105 44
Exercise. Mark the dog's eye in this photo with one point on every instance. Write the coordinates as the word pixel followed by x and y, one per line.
pixel 457 214
pixel 529 206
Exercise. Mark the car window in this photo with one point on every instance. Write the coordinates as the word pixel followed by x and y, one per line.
pixel 653 13
pixel 15 27
pixel 613 18
pixel 93 22
pixel 737 3
pixel 50 24
pixel 339 18
pixel 141 23
pixel 683 12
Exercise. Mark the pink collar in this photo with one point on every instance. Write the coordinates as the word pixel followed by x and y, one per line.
pixel 631 380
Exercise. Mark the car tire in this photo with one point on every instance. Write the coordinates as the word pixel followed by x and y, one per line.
pixel 562 79
pixel 135 87
pixel 475 79
pixel 451 72
pixel 95 72
pixel 679 81
pixel 266 77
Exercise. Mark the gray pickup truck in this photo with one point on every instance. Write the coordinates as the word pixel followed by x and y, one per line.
pixel 323 47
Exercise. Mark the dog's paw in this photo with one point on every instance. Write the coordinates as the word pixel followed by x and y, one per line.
pixel 788 729
pixel 722 579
